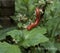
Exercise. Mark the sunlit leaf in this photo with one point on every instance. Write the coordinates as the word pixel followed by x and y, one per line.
pixel 34 37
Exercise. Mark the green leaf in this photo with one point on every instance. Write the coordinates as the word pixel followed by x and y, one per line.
pixel 7 48
pixel 57 45
pixel 15 34
pixel 34 37
pixel 26 1
pixel 4 31
pixel 50 46
pixel 52 10
pixel 41 30
pixel 53 23
pixel 19 24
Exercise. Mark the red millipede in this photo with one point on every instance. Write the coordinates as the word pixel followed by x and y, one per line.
pixel 32 25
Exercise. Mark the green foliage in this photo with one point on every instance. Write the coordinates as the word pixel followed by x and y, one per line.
pixel 52 17
pixel 15 34
pixel 4 31
pixel 31 38
pixel 25 6
pixel 57 45
pixel 50 46
pixel 34 37
pixel 7 48
pixel 44 35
